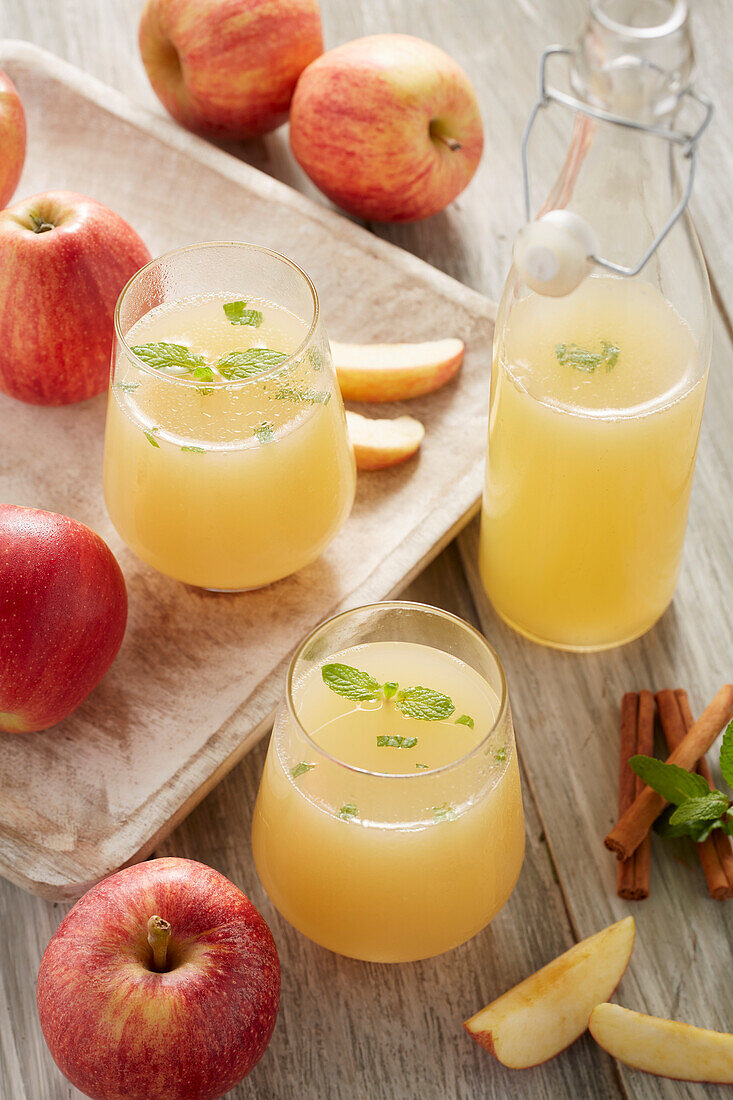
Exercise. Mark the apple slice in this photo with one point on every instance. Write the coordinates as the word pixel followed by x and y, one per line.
pixel 547 1012
pixel 394 372
pixel 665 1047
pixel 380 443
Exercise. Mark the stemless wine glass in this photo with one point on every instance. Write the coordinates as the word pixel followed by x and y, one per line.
pixel 227 464
pixel 391 866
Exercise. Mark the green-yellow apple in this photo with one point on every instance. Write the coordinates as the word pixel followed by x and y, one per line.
pixel 12 138
pixel 63 611
pixel 387 126
pixel 228 68
pixel 64 259
pixel 162 983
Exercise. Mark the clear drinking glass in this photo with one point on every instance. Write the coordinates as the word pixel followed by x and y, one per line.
pixel 229 466
pixel 403 850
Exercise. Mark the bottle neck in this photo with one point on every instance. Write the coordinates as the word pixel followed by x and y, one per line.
pixel 635 58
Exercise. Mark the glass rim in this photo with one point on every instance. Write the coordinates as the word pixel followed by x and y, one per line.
pixel 673 22
pixel 392 605
pixel 227 384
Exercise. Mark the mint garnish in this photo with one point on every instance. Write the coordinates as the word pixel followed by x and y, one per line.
pixel 420 703
pixel 302 767
pixel 194 450
pixel 350 682
pixel 162 356
pixel 696 808
pixel 348 811
pixel 444 812
pixel 465 720
pixel 302 397
pixel 248 363
pixel 423 766
pixel 385 741
pixel 316 358
pixel 151 439
pixel 424 704
pixel 127 387
pixel 264 432
pixel 238 314
pixel 572 355
pixel 499 756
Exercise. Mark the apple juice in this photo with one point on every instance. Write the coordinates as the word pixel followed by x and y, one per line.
pixel 382 835
pixel 223 469
pixel 596 405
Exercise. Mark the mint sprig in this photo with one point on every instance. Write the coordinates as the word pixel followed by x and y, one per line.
pixel 390 741
pixel 696 809
pixel 573 355
pixel 420 703
pixel 238 314
pixel 465 720
pixel 301 769
pixel 164 356
pixel 248 363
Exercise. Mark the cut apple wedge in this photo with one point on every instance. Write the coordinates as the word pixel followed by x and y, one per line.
pixel 549 1010
pixel 380 443
pixel 665 1047
pixel 395 372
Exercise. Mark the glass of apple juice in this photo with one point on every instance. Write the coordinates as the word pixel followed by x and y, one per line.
pixel 389 824
pixel 227 464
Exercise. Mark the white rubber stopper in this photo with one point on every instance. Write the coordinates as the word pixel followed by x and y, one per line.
pixel 552 254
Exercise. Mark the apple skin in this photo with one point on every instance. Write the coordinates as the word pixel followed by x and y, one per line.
pixel 395 372
pixel 63 612
pixel 364 123
pixel 120 1030
pixel 58 290
pixel 12 138
pixel 228 68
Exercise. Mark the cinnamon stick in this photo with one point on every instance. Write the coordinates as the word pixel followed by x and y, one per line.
pixel 716 853
pixel 636 822
pixel 637 736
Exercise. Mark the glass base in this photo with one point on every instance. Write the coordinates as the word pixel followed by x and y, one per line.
pixel 567 647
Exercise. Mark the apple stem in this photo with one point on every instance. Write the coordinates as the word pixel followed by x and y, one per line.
pixel 40 225
pixel 452 144
pixel 159 932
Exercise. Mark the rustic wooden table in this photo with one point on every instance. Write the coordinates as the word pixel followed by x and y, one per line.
pixel 351 1030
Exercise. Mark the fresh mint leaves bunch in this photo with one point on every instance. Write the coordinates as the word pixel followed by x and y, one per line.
pixel 696 810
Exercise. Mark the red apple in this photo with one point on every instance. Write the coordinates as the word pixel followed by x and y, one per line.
pixel 227 68
pixel 64 259
pixel 63 611
pixel 387 126
pixel 161 983
pixel 12 138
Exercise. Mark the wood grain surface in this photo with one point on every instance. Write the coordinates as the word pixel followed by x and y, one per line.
pixel 393 1033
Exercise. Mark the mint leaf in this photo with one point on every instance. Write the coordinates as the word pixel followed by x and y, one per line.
pixel 350 682
pixel 500 756
pixel 667 831
pixel 127 387
pixel 348 811
pixel 572 355
pixel 151 439
pixel 162 356
pixel 264 432
pixel 389 690
pixel 395 742
pixel 238 314
pixel 302 767
pixel 302 397
pixel 726 755
pixel 672 782
pixel 465 720
pixel 444 812
pixel 697 811
pixel 248 363
pixel 316 358
pixel 195 450
pixel 203 374
pixel 424 704
pixel 423 766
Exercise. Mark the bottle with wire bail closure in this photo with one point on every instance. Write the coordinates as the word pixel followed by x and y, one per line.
pixel 602 342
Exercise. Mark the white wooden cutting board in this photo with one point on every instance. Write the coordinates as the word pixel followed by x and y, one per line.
pixel 198 675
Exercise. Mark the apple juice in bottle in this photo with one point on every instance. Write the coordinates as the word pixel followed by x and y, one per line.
pixel 600 367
